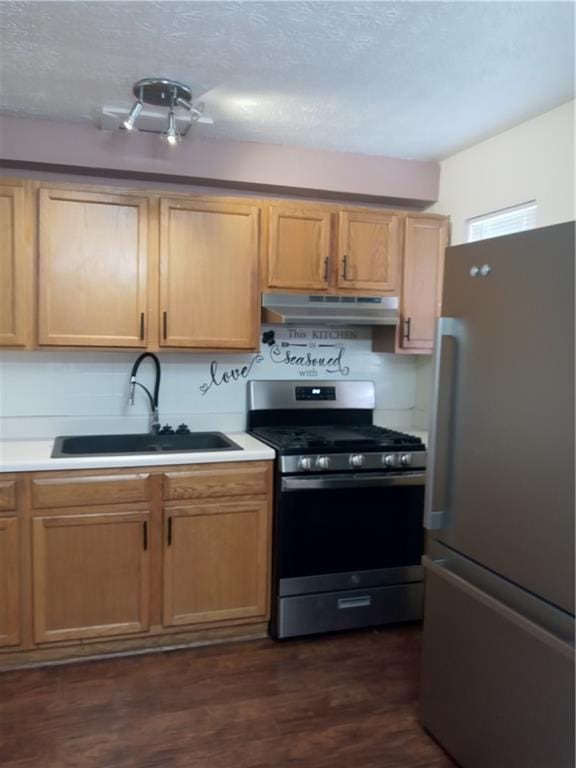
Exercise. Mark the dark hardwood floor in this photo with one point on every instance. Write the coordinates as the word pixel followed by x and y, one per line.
pixel 346 701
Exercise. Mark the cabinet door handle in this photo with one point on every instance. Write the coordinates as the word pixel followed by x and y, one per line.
pixel 141 326
pixel 326 269
pixel 145 535
pixel 169 537
pixel 165 324
pixel 345 267
pixel 407 323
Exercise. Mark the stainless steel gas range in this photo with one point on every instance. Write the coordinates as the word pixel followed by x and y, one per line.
pixel 349 497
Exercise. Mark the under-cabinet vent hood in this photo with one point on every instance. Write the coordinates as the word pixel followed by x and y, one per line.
pixel 297 309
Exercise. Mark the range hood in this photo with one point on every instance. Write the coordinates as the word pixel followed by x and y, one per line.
pixel 297 309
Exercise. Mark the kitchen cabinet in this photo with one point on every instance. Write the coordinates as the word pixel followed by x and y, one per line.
pixel 425 239
pixel 209 255
pixel 299 247
pixel 368 251
pixel 93 268
pixel 215 561
pixel 91 574
pixel 10 618
pixel 316 248
pixel 108 560
pixel 16 289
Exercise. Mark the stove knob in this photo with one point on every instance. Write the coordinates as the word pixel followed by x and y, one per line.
pixel 406 459
pixel 323 462
pixel 357 460
pixel 306 463
pixel 390 460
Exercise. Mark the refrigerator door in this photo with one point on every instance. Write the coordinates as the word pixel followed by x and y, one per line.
pixel 500 484
pixel 497 689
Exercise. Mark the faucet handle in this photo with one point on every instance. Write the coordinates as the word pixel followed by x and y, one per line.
pixel 183 429
pixel 166 430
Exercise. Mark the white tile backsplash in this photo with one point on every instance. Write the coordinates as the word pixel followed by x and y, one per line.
pixel 47 393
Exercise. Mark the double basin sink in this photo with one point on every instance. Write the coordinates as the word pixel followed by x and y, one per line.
pixel 113 445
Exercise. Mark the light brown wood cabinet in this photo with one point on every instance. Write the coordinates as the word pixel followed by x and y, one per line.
pixel 16 287
pixel 209 274
pixel 93 268
pixel 368 251
pixel 132 558
pixel 215 561
pixel 319 248
pixel 10 618
pixel 91 574
pixel 299 247
pixel 425 240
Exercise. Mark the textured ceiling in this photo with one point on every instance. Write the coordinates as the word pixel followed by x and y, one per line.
pixel 405 79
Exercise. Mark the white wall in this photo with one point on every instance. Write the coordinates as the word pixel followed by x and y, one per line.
pixel 49 393
pixel 533 161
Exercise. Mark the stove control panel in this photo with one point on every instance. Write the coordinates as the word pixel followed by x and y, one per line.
pixel 345 462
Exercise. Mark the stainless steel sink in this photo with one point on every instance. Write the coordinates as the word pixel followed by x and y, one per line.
pixel 111 445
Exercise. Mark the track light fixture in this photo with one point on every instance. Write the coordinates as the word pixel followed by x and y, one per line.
pixel 162 92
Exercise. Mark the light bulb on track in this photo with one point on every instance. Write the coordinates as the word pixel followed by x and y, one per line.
pixel 128 124
pixel 171 135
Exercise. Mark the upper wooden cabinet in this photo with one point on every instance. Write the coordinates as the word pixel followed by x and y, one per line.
pixel 425 242
pixel 299 252
pixel 93 262
pixel 316 248
pixel 209 274
pixel 368 251
pixel 16 311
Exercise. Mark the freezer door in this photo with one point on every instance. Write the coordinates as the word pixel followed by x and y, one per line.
pixel 497 690
pixel 500 487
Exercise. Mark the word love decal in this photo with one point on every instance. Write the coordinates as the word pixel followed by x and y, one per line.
pixel 303 358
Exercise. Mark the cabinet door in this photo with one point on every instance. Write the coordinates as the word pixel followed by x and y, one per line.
pixel 299 247
pixel 368 251
pixel 90 575
pixel 9 582
pixel 216 562
pixel 15 307
pixel 209 274
pixel 93 269
pixel 425 241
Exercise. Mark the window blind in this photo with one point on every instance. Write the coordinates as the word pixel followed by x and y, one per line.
pixel 504 222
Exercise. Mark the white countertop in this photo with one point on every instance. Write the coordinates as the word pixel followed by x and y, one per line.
pixel 34 455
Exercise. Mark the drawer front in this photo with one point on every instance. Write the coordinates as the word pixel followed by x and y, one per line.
pixel 350 609
pixel 87 490
pixel 250 480
pixel 8 495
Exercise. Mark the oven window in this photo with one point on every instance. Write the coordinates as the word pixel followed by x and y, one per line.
pixel 353 529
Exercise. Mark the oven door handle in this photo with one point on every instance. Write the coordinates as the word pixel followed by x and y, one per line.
pixel 337 482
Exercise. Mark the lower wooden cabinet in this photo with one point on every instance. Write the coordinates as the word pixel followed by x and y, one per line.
pixel 215 562
pixel 90 575
pixel 107 560
pixel 10 618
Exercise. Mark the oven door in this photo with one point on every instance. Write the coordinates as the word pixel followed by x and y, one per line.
pixel 337 532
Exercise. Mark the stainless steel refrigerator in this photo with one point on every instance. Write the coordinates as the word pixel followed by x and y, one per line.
pixel 497 687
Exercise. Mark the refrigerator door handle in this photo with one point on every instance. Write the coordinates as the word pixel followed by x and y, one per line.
pixel 560 637
pixel 435 508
